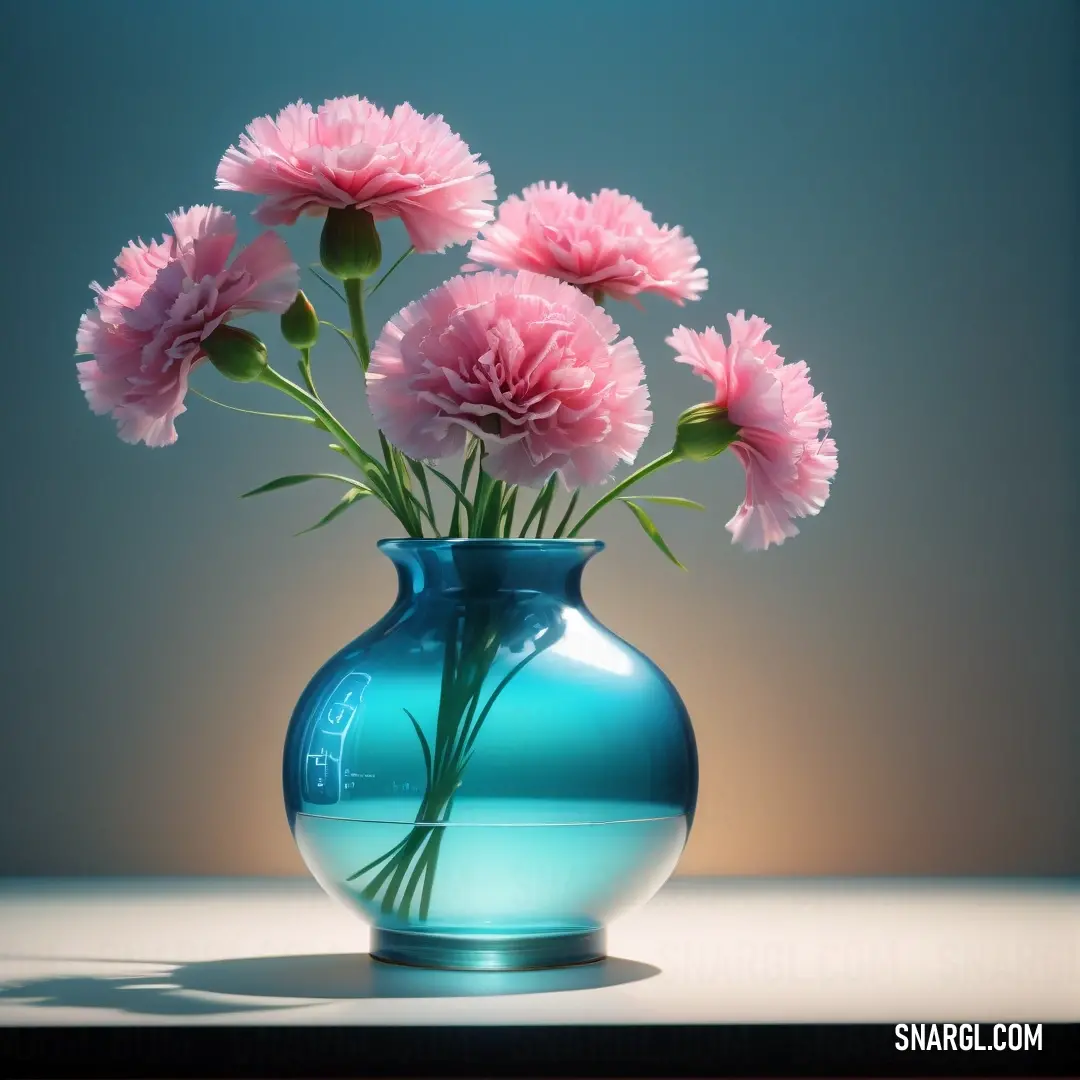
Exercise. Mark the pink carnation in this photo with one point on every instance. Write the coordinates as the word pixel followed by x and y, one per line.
pixel 351 153
pixel 146 329
pixel 530 365
pixel 782 443
pixel 608 242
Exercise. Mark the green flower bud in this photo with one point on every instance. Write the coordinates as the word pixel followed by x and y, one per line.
pixel 704 431
pixel 238 354
pixel 350 245
pixel 300 324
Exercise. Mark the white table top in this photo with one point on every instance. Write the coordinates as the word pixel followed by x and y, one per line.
pixel 704 951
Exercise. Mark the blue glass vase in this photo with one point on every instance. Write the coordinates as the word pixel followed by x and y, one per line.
pixel 488 776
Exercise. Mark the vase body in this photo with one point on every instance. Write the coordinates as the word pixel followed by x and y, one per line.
pixel 488 775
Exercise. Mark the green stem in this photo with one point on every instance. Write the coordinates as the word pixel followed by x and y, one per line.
pixel 666 459
pixel 471 730
pixel 395 470
pixel 472 658
pixel 475 688
pixel 420 871
pixel 375 862
pixel 313 404
pixel 461 501
pixel 424 842
pixel 352 449
pixel 429 877
pixel 425 865
pixel 447 697
pixel 401 470
pixel 391 472
pixel 407 849
pixel 409 868
pixel 305 372
pixel 401 866
pixel 354 297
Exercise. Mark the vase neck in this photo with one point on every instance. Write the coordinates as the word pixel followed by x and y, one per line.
pixel 486 569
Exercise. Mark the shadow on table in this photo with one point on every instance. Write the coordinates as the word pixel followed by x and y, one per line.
pixel 286 982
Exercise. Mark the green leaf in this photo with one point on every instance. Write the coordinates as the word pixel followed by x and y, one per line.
pixel 471 456
pixel 451 485
pixel 345 336
pixel 398 486
pixel 489 499
pixel 416 467
pixel 652 532
pixel 561 527
pixel 540 504
pixel 300 478
pixel 326 281
pixel 509 505
pixel 256 412
pixel 548 498
pixel 429 507
pixel 372 470
pixel 350 497
pixel 401 258
pixel 493 510
pixel 666 500
pixel 421 511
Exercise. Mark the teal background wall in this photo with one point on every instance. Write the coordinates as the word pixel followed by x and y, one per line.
pixel 892 185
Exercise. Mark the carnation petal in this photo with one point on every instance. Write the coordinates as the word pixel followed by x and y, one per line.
pixel 788 465
pixel 144 334
pixel 608 241
pixel 525 362
pixel 348 152
pixel 275 277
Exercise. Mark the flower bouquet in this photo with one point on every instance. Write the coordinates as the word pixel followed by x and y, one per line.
pixel 503 384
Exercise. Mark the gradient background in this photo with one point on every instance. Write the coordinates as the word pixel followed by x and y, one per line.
pixel 892 185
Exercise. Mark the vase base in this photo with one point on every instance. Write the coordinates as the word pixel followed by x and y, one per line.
pixel 479 952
